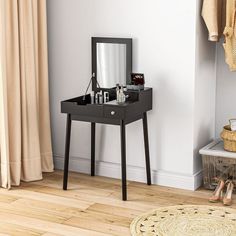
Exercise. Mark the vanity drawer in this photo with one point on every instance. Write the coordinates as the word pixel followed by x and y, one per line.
pixel 114 112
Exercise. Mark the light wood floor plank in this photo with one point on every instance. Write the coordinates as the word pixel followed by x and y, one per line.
pixel 115 210
pixel 36 213
pixel 48 206
pixel 92 206
pixel 110 228
pixel 49 227
pixel 17 230
pixel 20 193
pixel 51 234
pixel 7 198
pixel 114 200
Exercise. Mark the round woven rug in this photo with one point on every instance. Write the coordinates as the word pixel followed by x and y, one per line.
pixel 186 220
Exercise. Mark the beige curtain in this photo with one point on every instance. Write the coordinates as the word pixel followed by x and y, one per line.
pixel 25 138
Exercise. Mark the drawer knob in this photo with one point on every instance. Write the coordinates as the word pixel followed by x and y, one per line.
pixel 113 113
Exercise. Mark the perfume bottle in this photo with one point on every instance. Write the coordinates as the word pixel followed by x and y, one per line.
pixel 100 98
pixel 117 91
pixel 121 95
pixel 96 98
pixel 92 97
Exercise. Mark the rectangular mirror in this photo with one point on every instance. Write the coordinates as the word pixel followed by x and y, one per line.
pixel 111 64
pixel 111 61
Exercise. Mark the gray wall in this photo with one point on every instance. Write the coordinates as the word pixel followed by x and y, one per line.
pixel 205 89
pixel 225 93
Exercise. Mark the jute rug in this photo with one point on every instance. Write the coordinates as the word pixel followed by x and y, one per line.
pixel 186 220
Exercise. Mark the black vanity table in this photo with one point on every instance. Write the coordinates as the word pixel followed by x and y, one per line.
pixel 112 113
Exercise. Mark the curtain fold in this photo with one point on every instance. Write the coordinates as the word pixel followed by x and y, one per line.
pixel 25 138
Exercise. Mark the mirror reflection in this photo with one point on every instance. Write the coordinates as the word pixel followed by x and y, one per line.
pixel 111 64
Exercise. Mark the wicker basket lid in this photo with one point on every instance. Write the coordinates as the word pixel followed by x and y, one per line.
pixel 216 149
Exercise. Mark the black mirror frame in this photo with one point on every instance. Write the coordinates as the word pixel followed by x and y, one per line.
pixel 127 41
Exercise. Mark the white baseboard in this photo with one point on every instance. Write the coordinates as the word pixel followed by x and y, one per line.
pixel 107 169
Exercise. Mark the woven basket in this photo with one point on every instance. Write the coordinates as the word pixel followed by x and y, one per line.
pixel 229 138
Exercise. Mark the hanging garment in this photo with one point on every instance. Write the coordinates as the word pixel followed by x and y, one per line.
pixel 213 13
pixel 25 137
pixel 230 35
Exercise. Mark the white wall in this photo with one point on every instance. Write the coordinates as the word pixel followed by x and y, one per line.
pixel 163 48
pixel 205 89
pixel 225 93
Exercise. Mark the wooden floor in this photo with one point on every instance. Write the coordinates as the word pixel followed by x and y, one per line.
pixel 91 205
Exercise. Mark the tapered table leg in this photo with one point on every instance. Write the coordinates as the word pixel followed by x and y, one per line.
pixel 146 146
pixel 123 160
pixel 93 126
pixel 67 151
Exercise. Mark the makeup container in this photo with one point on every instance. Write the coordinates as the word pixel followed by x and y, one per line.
pixel 106 97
